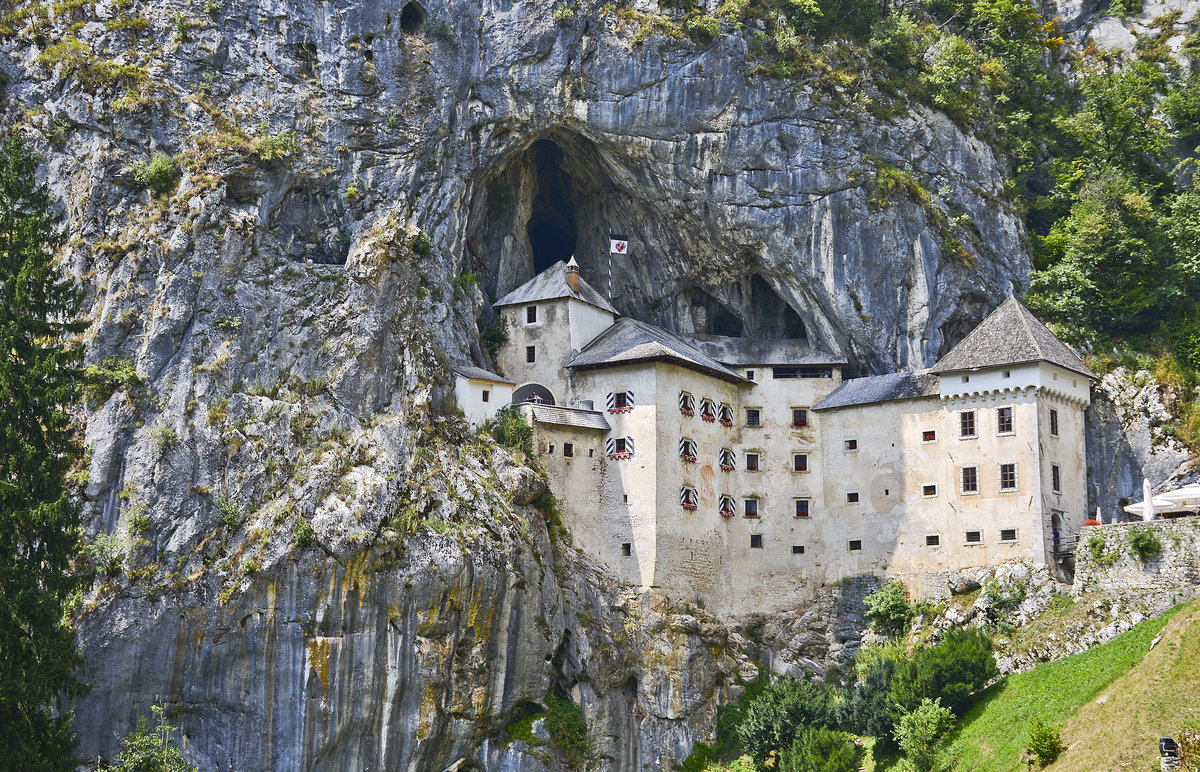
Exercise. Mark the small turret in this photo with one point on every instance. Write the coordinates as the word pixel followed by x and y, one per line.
pixel 573 274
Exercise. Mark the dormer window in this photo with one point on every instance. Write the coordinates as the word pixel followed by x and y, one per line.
pixel 687 404
pixel 727 460
pixel 687 450
pixel 727 508
pixel 708 410
pixel 620 401
pixel 726 415
pixel 619 447
pixel 687 498
pixel 530 314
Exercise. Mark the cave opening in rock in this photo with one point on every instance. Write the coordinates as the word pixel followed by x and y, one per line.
pixel 412 16
pixel 772 317
pixel 709 316
pixel 551 227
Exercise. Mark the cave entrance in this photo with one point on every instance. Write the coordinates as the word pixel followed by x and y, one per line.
pixel 412 16
pixel 771 316
pixel 551 227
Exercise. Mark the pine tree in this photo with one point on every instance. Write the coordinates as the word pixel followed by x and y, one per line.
pixel 39 524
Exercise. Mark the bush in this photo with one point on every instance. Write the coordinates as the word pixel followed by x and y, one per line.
pixel 159 175
pixel 1144 544
pixel 770 724
pixel 820 750
pixel 101 380
pixel 423 246
pixel 147 749
pixel 1045 741
pixel 889 610
pixel 952 671
pixel 302 532
pixel 920 733
pixel 229 511
pixel 511 430
pixel 163 438
pixel 866 705
pixel 105 554
pixel 568 730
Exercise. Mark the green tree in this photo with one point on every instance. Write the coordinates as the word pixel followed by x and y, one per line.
pixel 866 705
pixel 951 671
pixel 150 749
pixel 820 750
pixel 1045 741
pixel 920 734
pixel 39 525
pixel 772 722
pixel 889 610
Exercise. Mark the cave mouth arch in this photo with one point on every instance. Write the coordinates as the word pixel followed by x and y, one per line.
pixel 551 227
pixel 527 392
pixel 412 16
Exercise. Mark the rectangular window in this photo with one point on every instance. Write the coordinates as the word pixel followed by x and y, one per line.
pixel 530 314
pixel 852 497
pixel 687 450
pixel 486 394
pixel 619 447
pixel 1055 478
pixel 797 549
pixel 1008 477
pixel 687 498
pixel 802 507
pixel 855 545
pixel 974 537
pixel 799 462
pixel 928 490
pixel 707 411
pixel 851 445
pixel 749 375
pixel 799 416
pixel 727 506
pixel 929 435
pixel 933 540
pixel 751 462
pixel 725 457
pixel 970 479
pixel 530 354
pixel 753 417
pixel 756 541
pixel 1008 534
pixel 1054 422
pixel 569 449
pixel 619 401
pixel 725 413
pixel 1004 423
pixel 687 404
pixel 802 372
pixel 751 508
pixel 591 452
pixel 966 423
pixel 626 549
pixel 550 448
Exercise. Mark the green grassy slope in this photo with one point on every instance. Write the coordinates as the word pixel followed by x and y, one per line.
pixel 992 736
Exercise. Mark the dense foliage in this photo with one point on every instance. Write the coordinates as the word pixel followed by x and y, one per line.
pixel 960 665
pixel 1045 741
pixel 889 610
pixel 151 749
pixel 816 749
pixel 39 524
pixel 921 734
pixel 772 722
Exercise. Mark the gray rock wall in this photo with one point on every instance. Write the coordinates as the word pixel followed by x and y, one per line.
pixel 1106 561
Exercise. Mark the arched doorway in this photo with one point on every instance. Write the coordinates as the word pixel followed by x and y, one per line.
pixel 533 392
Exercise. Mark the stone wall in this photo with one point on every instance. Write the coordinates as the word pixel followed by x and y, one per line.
pixel 1106 560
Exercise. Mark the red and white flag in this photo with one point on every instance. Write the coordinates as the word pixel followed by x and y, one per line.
pixel 618 245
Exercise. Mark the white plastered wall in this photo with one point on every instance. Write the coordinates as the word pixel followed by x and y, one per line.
pixel 469 394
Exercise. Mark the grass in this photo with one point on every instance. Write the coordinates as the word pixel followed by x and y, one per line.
pixel 995 731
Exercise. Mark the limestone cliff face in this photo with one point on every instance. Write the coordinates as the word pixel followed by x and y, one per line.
pixel 356 181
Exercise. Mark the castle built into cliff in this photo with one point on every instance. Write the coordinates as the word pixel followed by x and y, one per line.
pixel 746 473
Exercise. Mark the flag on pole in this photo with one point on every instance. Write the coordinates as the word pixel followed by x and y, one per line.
pixel 617 244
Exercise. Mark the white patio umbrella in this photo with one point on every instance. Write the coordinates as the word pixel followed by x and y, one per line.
pixel 1147 500
pixel 1187 497
pixel 1158 504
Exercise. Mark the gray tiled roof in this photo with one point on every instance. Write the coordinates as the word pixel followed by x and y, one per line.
pixel 479 374
pixel 882 388
pixel 628 341
pixel 569 416
pixel 778 351
pixel 551 284
pixel 1010 335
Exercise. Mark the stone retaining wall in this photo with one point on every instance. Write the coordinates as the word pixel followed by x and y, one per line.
pixel 1106 560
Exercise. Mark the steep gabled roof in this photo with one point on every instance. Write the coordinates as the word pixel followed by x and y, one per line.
pixel 551 284
pixel 628 341
pixel 479 374
pixel 1011 335
pixel 881 388
pixel 775 351
pixel 570 416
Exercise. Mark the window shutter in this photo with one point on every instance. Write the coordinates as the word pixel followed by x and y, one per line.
pixel 610 401
pixel 610 446
pixel 629 445
pixel 629 399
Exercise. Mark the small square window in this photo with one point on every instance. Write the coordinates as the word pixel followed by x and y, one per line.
pixel 1004 420
pixel 550 448
pixel 749 375
pixel 799 417
pixel 970 479
pixel 486 394
pixel 1053 422
pixel 1008 477
pixel 797 549
pixel 855 545
pixel 625 497
pixel 929 435
pixel 530 354
pixel 1008 534
pixel 753 417
pixel 530 314
pixel 620 445
pixel 928 490
pixel 756 541
pixel 751 509
pixel 802 507
pixel 800 462
pixel 966 423
pixel 1055 478
pixel 620 399
pixel 569 449
pixel 851 445
pixel 933 540
pixel 627 549
pixel 974 537
pixel 1006 374
pixel 852 497
pixel 966 379
pixel 591 452
pixel 751 462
